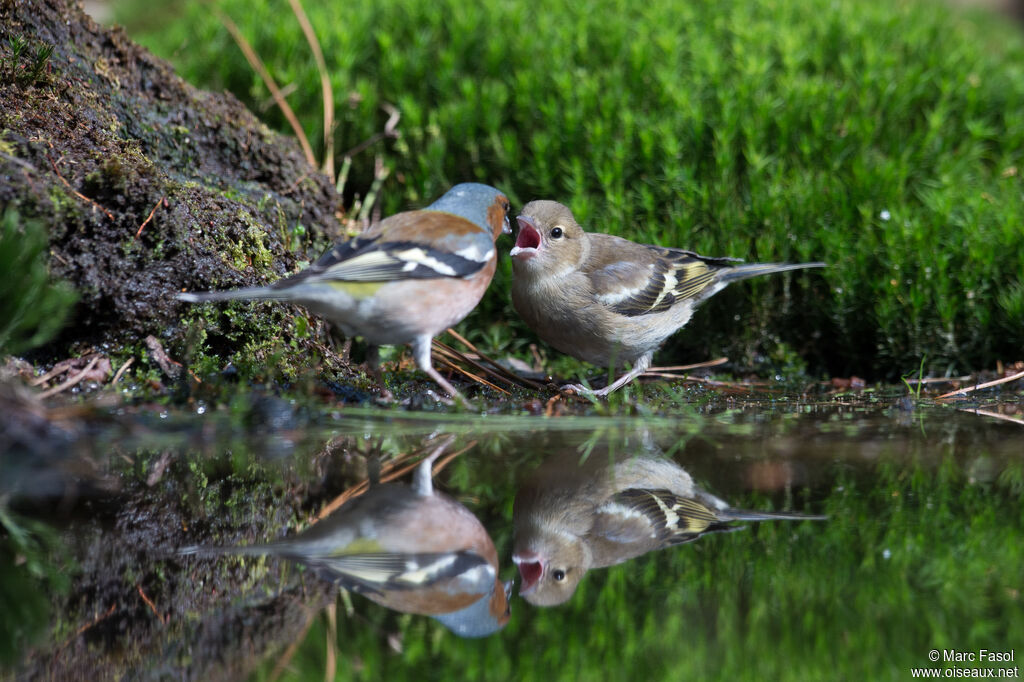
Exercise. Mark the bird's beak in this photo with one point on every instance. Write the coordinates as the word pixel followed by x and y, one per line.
pixel 531 568
pixel 527 239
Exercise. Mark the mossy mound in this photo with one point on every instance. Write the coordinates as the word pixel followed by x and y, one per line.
pixel 148 186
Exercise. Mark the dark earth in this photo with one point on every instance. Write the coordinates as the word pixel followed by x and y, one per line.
pixel 106 135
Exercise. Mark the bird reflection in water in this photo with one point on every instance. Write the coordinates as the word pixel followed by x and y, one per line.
pixel 409 548
pixel 570 517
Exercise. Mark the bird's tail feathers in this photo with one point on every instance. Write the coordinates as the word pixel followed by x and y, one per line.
pixel 251 293
pixel 745 515
pixel 738 272
pixel 207 551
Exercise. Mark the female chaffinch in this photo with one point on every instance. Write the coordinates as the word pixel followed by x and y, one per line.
pixel 571 517
pixel 411 549
pixel 606 300
pixel 404 280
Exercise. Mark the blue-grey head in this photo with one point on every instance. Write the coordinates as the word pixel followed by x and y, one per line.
pixel 483 205
pixel 484 617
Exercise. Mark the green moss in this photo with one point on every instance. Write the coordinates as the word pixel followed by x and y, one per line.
pixel 881 138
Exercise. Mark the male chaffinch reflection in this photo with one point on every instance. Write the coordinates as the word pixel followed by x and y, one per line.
pixel 411 549
pixel 606 300
pixel 571 517
pixel 404 280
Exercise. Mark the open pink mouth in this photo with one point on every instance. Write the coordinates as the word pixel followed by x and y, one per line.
pixel 529 236
pixel 527 240
pixel 530 572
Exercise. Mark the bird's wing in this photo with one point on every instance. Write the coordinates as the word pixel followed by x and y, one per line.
pixel 668 517
pixel 638 279
pixel 410 245
pixel 459 572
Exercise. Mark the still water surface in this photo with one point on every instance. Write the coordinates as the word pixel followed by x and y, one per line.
pixel 922 550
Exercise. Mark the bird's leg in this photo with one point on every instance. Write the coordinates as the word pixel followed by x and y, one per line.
pixel 422 481
pixel 421 353
pixel 373 369
pixel 642 364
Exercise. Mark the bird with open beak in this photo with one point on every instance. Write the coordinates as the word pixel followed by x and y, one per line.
pixel 569 518
pixel 606 300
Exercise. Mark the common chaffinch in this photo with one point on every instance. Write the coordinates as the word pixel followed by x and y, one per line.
pixel 411 549
pixel 406 279
pixel 569 518
pixel 606 300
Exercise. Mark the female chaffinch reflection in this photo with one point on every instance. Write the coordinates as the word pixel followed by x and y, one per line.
pixel 411 549
pixel 571 517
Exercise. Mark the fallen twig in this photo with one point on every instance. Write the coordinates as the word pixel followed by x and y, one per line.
pixel 87 626
pixel 149 217
pixel 71 381
pixel 59 368
pixel 121 370
pixel 75 191
pixel 686 368
pixel 172 368
pixel 989 384
pixel 151 605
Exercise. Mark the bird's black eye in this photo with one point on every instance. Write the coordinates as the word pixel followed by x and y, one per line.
pixel 556 233
pixel 558 575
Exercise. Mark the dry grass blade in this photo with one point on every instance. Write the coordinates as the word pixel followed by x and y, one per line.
pixel 390 130
pixel 257 64
pixel 289 654
pixel 442 356
pixel 325 86
pixel 454 354
pixel 989 384
pixel 331 664
pixel 512 377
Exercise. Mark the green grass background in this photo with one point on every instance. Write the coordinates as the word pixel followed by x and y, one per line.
pixel 885 138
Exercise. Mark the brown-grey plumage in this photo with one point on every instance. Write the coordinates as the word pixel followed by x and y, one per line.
pixel 569 518
pixel 606 300
pixel 406 279
pixel 408 548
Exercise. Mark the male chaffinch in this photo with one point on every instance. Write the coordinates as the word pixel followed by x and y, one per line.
pixel 606 300
pixel 405 279
pixel 572 517
pixel 411 549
